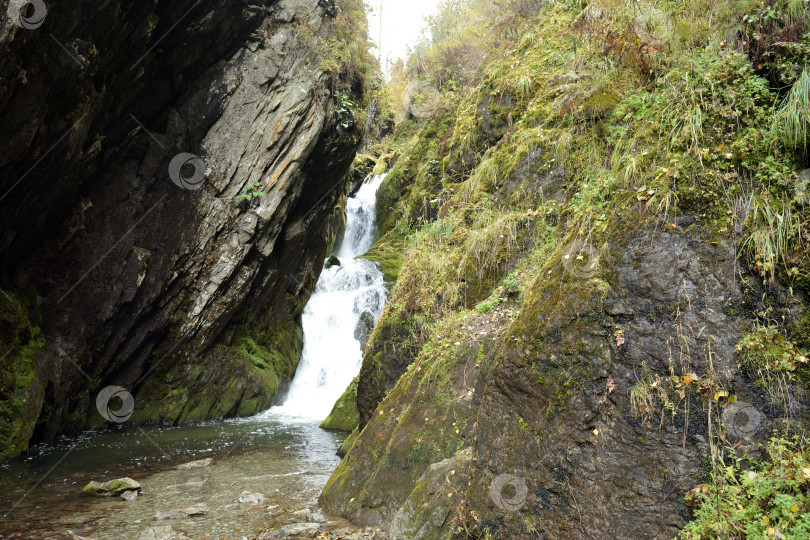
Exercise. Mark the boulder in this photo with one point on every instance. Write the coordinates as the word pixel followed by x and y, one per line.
pixel 331 261
pixel 112 487
pixel 301 530
pixel 344 415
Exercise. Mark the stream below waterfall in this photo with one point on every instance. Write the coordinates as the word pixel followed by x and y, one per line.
pixel 281 453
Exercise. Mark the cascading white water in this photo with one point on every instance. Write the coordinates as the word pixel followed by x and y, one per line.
pixel 332 354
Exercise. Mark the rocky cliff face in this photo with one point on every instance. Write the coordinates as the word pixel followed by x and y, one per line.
pixel 576 347
pixel 128 132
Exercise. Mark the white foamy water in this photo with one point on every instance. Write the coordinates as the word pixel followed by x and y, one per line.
pixel 332 355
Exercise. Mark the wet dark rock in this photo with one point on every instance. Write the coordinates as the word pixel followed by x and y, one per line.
pixel 331 261
pixel 685 222
pixel 365 326
pixel 139 282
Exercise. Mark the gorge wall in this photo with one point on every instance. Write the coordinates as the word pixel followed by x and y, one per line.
pixel 591 331
pixel 129 129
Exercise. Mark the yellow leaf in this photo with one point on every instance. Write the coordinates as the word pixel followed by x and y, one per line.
pixel 766 520
pixel 704 489
pixel 771 530
pixel 687 379
pixel 794 508
pixel 596 432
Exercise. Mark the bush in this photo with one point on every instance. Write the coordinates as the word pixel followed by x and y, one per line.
pixel 768 500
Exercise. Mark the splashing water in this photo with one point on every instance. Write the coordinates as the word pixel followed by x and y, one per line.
pixel 332 354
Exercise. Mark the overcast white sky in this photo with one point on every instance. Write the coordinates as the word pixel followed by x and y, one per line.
pixel 402 21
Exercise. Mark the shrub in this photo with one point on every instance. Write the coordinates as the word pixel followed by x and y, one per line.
pixel 767 500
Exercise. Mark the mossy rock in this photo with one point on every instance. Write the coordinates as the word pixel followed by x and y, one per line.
pixel 111 487
pixel 21 394
pixel 348 442
pixel 344 415
pixel 331 261
pixel 388 253
pixel 250 372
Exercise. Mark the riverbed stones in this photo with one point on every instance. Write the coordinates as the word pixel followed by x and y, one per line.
pixel 112 487
pixel 192 511
pixel 130 495
pixel 163 532
pixel 251 498
pixel 74 536
pixel 301 530
pixel 309 516
pixel 199 464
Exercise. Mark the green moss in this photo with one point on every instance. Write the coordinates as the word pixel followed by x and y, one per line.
pixel 21 341
pixel 249 373
pixel 388 253
pixel 766 353
pixel 344 415
pixel 348 442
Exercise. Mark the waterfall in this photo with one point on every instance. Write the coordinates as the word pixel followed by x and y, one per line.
pixel 332 355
